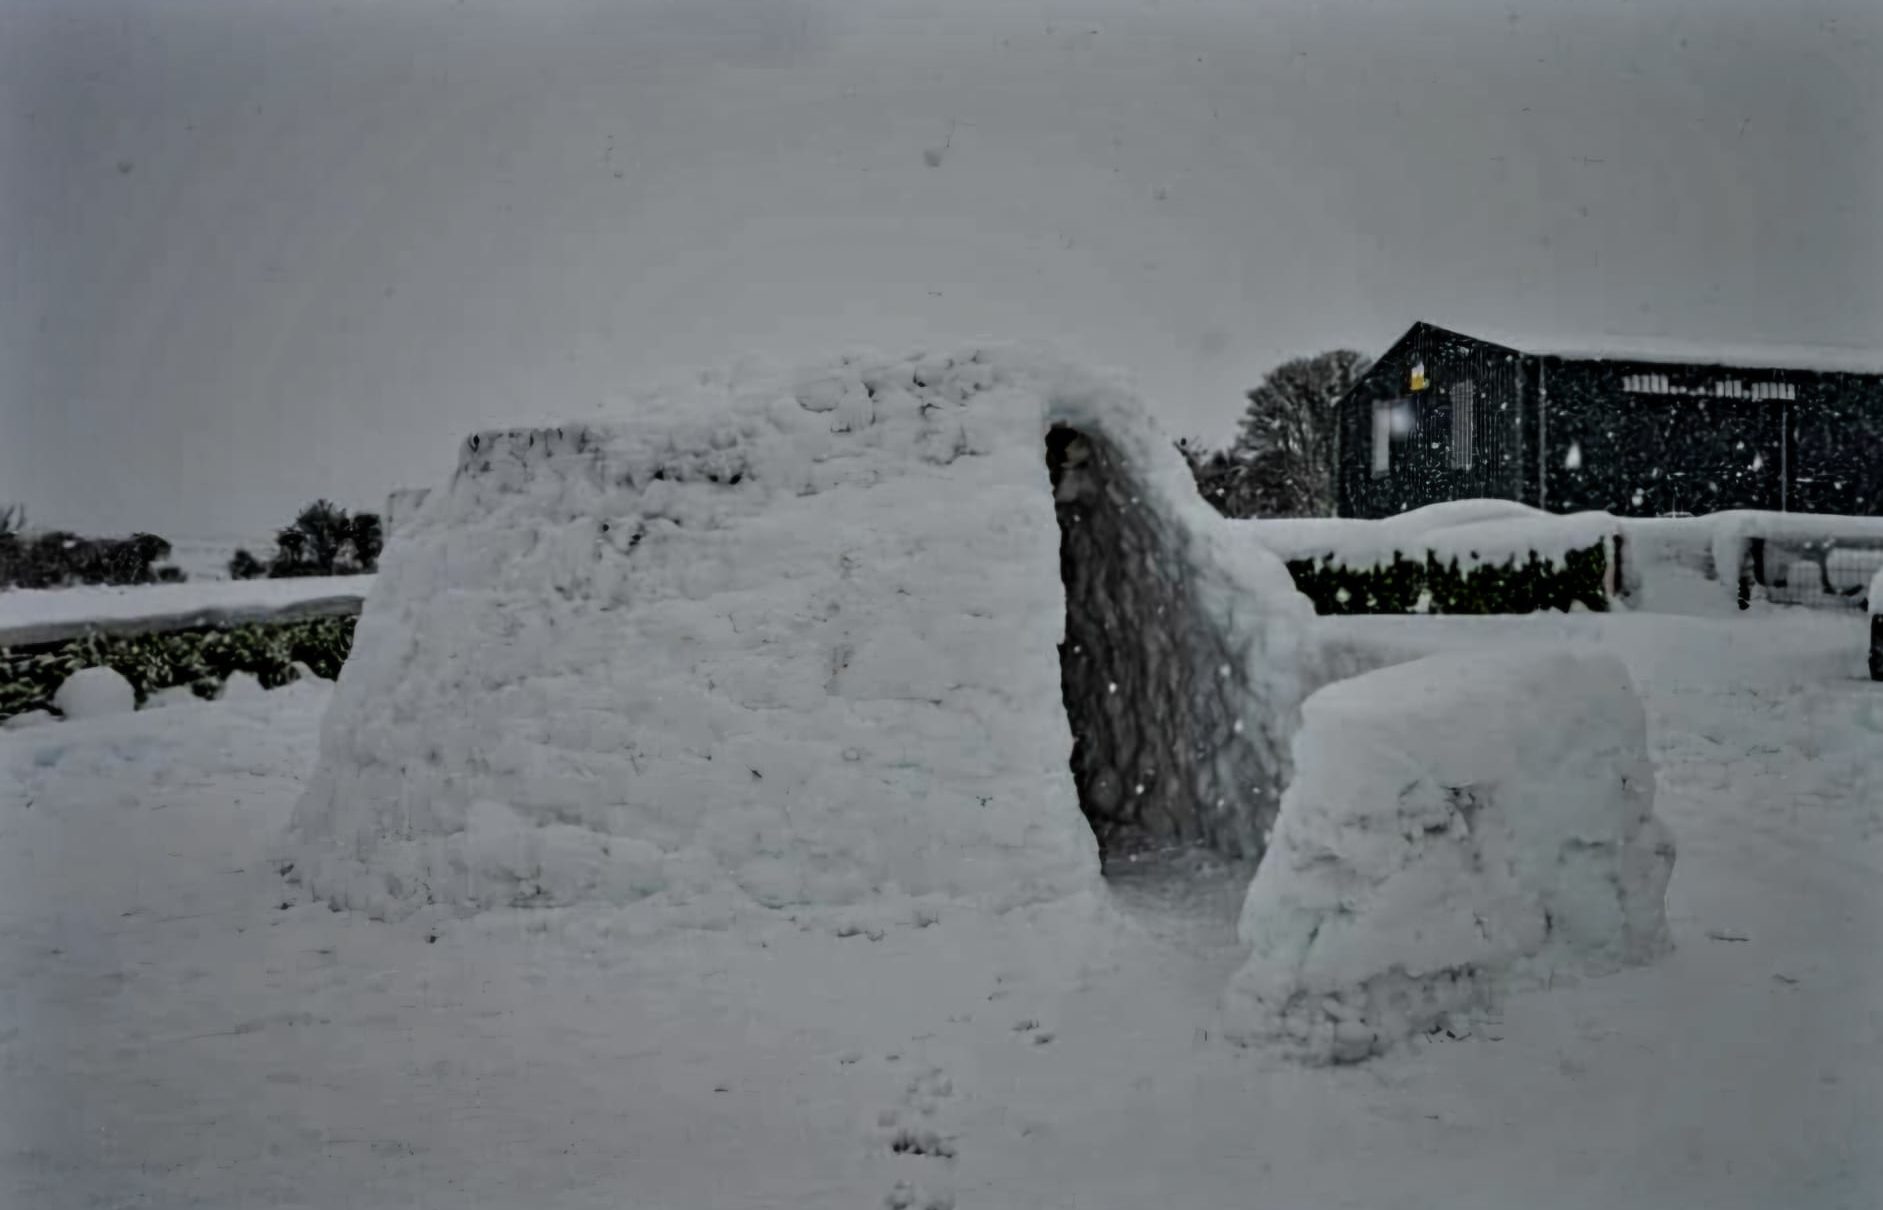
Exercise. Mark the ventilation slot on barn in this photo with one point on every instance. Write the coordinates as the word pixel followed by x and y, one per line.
pixel 1154 693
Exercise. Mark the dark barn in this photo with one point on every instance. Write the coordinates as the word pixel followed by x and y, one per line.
pixel 1445 416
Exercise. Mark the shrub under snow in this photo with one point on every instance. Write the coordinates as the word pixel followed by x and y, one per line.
pixel 1455 823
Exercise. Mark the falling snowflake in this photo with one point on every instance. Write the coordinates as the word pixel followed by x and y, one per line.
pixel 1573 461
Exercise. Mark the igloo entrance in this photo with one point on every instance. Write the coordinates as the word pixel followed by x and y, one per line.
pixel 1155 694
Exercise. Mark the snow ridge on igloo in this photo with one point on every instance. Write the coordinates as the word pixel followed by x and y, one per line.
pixel 793 634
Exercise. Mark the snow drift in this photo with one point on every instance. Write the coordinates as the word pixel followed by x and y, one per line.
pixel 1455 824
pixel 797 635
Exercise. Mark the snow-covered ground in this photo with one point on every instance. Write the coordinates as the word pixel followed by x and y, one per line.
pixel 24 608
pixel 179 1029
pixel 208 558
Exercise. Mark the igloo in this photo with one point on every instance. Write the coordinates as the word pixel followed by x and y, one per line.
pixel 807 639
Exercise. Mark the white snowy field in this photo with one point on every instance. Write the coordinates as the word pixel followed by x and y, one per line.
pixel 178 1029
pixel 207 559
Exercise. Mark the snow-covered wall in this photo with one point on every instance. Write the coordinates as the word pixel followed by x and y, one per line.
pixel 1456 824
pixel 793 634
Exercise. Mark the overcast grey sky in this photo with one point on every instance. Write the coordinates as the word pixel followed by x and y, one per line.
pixel 263 250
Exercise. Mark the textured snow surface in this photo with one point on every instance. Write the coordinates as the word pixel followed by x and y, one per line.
pixel 104 603
pixel 402 505
pixel 789 635
pixel 239 685
pixel 181 1028
pixel 1454 823
pixel 94 693
pixel 174 695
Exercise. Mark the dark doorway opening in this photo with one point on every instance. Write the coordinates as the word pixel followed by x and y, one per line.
pixel 1155 694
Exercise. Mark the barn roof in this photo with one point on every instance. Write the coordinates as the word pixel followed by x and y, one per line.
pixel 1830 358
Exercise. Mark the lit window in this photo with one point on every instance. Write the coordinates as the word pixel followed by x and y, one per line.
pixel 1461 424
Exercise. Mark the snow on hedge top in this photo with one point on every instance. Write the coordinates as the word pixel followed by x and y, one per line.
pixel 1472 531
pixel 790 636
pixel 1876 593
pixel 1497 542
pixel 21 608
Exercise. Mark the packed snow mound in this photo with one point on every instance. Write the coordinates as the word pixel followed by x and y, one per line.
pixel 239 686
pixel 1456 824
pixel 94 693
pixel 793 638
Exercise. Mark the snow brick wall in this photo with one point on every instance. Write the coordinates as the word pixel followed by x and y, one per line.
pixel 793 639
pixel 1457 825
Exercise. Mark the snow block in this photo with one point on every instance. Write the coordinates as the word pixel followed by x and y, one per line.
pixel 786 637
pixel 95 693
pixel 1457 825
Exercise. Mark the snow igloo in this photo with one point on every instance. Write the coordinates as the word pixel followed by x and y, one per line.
pixel 928 626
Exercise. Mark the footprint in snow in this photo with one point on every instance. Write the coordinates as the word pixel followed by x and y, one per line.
pixel 913 1130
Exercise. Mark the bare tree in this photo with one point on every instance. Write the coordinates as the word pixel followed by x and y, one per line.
pixel 1288 449
pixel 1223 479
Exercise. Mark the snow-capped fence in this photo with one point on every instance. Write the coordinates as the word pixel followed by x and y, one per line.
pixel 1876 627
pixel 1820 573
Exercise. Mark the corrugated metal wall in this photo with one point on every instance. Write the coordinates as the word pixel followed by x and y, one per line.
pixel 1634 438
pixel 1460 427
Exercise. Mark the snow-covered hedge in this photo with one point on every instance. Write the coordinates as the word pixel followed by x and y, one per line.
pixel 1354 542
pixel 1456 825
pixel 1676 564
pixel 1466 556
pixel 39 616
pixel 1452 585
pixel 198 659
